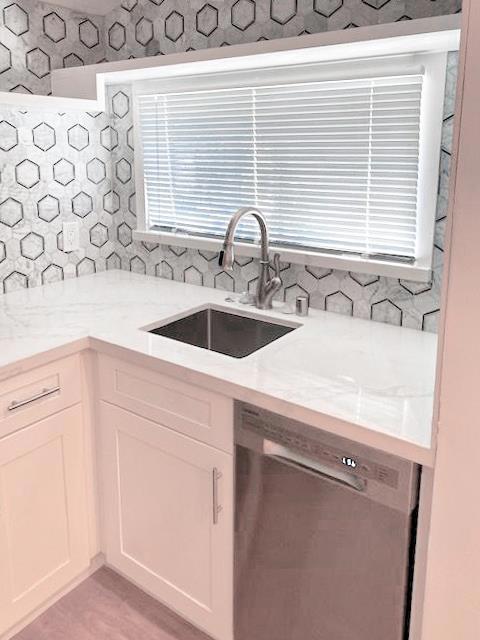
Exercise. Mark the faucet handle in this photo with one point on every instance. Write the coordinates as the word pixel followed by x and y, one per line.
pixel 221 257
pixel 274 284
pixel 276 264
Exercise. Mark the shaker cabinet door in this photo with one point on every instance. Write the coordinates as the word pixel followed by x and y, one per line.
pixel 168 516
pixel 44 541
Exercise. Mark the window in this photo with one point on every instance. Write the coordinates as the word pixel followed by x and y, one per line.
pixel 342 158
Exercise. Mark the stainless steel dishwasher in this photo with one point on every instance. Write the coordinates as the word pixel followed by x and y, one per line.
pixel 324 534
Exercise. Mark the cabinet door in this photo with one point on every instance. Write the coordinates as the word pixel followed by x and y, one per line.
pixel 43 514
pixel 168 517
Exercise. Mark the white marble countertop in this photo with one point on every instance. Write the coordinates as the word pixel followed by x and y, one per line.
pixel 364 380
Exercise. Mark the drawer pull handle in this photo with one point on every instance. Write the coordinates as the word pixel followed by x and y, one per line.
pixel 216 507
pixel 45 393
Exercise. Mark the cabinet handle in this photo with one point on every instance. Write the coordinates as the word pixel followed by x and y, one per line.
pixel 44 393
pixel 216 507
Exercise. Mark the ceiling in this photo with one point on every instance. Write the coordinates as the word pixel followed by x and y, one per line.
pixel 97 7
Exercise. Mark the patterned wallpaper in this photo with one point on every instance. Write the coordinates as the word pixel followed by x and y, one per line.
pixel 79 166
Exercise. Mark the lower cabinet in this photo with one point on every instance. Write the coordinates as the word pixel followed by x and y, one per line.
pixel 44 542
pixel 168 516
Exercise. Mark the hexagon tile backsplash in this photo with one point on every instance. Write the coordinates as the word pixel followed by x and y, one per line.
pixel 79 166
pixel 54 167
pixel 36 37
pixel 399 302
pixel 150 27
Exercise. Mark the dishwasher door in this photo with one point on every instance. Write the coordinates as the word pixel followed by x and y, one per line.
pixel 323 534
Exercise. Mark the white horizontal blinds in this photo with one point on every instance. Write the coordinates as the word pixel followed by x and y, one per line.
pixel 334 165
pixel 338 163
pixel 198 159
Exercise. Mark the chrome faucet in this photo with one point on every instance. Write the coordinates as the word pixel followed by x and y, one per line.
pixel 267 287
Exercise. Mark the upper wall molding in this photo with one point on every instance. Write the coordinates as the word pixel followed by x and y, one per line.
pixel 95 7
pixel 84 88
pixel 422 36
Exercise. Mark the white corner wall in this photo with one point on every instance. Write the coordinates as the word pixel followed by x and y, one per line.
pixel 452 599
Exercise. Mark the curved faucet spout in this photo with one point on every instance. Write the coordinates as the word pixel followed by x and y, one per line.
pixel 227 256
pixel 266 287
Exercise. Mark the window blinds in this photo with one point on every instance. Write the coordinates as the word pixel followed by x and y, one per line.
pixel 334 165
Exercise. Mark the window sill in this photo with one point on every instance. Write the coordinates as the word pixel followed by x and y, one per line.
pixel 413 272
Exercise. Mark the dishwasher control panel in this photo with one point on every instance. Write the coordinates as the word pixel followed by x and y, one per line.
pixel 309 441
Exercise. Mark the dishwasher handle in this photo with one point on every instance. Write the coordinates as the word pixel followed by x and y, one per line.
pixel 313 467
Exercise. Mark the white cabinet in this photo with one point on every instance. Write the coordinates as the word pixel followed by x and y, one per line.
pixel 44 541
pixel 165 487
pixel 168 516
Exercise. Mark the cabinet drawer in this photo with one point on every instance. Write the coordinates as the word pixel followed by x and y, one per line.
pixel 28 397
pixel 186 408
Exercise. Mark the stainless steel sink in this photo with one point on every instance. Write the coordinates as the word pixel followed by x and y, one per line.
pixel 228 333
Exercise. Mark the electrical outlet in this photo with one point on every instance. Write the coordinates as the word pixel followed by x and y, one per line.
pixel 71 236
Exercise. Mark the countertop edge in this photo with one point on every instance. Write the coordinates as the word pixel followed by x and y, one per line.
pixel 358 433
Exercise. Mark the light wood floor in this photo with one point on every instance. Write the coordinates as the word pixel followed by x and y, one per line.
pixel 107 607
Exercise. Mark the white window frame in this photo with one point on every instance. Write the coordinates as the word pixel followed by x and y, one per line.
pixel 431 122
